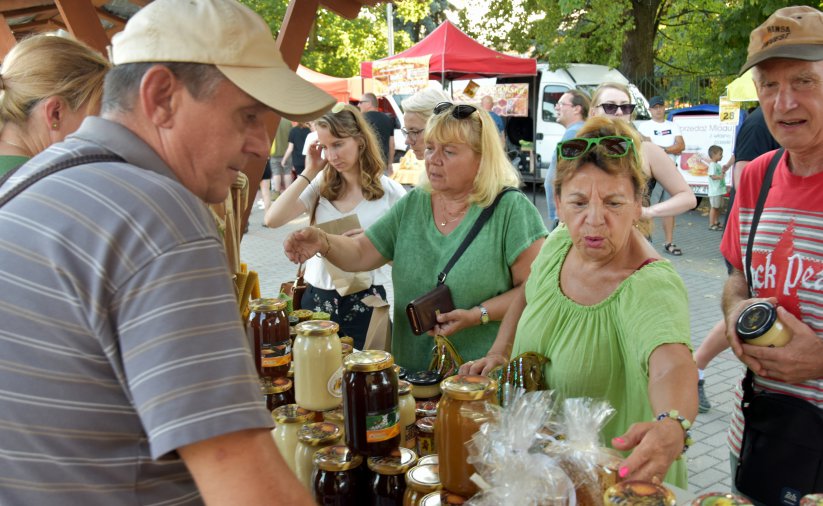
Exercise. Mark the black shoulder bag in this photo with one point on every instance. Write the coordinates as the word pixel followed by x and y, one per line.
pixel 422 311
pixel 781 455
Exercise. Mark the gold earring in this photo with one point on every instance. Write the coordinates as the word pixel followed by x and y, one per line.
pixel 54 126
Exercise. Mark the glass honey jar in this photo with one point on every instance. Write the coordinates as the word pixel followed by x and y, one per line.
pixel 370 403
pixel 338 480
pixel 388 485
pixel 288 420
pixel 310 438
pixel 317 365
pixel 420 480
pixel 456 425
pixel 269 326
pixel 407 406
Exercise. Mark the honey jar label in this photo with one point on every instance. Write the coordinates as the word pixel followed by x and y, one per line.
pixel 271 360
pixel 411 436
pixel 335 383
pixel 382 426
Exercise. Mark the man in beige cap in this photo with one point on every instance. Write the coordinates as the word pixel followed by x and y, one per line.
pixel 126 376
pixel 786 52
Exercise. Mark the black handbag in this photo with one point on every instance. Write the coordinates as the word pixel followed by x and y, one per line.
pixel 422 311
pixel 781 454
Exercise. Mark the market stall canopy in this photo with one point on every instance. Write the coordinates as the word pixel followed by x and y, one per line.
pixel 343 89
pixel 742 89
pixel 455 55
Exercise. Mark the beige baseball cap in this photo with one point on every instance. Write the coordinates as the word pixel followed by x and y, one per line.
pixel 791 32
pixel 228 35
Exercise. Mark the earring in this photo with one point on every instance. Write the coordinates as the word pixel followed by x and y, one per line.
pixel 54 126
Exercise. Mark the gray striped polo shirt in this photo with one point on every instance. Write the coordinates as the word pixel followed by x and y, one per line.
pixel 119 334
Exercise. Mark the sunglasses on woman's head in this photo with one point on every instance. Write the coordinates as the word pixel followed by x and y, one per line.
pixel 614 146
pixel 459 111
pixel 612 108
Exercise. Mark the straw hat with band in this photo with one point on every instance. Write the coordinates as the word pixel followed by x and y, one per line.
pixel 228 35
pixel 792 32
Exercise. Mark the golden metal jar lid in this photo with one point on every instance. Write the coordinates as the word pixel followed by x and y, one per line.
pixel 425 408
pixel 317 328
pixel 280 385
pixel 336 458
pixel 425 424
pixel 424 479
pixel 346 348
pixel 639 492
pixel 267 304
pixel 290 413
pixel 368 361
pixel 468 388
pixel 302 314
pixel 335 414
pixel 403 387
pixel 398 461
pixel 319 433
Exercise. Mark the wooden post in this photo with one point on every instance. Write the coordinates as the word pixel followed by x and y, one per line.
pixel 83 22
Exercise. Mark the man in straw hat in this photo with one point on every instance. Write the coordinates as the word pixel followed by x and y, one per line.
pixel 126 376
pixel 786 52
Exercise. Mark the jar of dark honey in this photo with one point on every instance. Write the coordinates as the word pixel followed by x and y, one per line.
pixel 388 485
pixel 455 425
pixel 269 326
pixel 370 403
pixel 277 392
pixel 338 480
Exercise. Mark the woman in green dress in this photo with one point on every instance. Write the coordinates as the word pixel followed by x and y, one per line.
pixel 609 314
pixel 48 85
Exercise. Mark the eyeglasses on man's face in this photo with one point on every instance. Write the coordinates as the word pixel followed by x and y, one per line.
pixel 626 109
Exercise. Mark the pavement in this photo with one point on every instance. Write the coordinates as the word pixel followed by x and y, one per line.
pixel 703 273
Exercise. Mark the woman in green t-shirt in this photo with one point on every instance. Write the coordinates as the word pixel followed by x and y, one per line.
pixel 48 84
pixel 466 169
pixel 609 314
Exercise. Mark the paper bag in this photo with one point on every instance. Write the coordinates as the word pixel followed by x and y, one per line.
pixel 346 283
pixel 378 336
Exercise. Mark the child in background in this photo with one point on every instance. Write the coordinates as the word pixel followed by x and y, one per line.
pixel 717 187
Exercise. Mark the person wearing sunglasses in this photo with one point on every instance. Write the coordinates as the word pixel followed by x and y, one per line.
pixel 614 100
pixel 348 181
pixel 609 314
pixel 466 169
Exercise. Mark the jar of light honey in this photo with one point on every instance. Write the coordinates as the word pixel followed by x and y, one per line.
pixel 759 325
pixel 318 364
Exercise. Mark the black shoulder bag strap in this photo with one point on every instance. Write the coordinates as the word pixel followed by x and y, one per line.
pixel 51 169
pixel 748 381
pixel 481 220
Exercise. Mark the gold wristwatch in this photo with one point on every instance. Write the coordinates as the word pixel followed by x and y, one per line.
pixel 484 315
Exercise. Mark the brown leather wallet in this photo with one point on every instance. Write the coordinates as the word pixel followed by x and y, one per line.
pixel 422 311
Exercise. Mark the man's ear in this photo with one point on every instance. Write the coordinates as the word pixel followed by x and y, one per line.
pixel 159 95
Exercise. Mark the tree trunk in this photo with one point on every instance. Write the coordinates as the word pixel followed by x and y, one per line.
pixel 638 48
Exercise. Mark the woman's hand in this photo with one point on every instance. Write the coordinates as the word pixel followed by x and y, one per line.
pixel 302 244
pixel 484 365
pixel 455 321
pixel 353 232
pixel 656 445
pixel 314 160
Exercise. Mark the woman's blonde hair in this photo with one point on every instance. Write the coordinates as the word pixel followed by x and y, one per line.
pixel 630 165
pixel 423 102
pixel 479 132
pixel 614 86
pixel 345 121
pixel 45 66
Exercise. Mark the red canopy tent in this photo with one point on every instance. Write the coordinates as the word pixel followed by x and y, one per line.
pixel 455 55
pixel 341 88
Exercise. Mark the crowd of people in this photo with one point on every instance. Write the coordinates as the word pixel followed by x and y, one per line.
pixel 121 317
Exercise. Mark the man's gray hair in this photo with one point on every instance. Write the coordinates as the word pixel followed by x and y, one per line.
pixel 122 82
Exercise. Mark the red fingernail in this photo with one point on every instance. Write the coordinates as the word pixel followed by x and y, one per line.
pixel 619 440
pixel 623 472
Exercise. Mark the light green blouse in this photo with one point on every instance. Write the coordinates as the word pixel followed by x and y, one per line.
pixel 602 351
pixel 408 236
pixel 9 162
